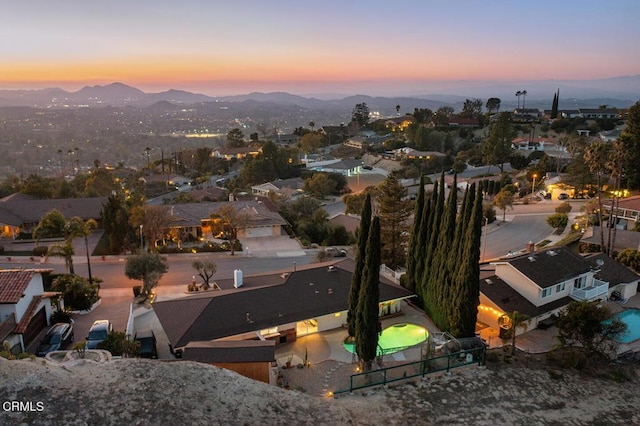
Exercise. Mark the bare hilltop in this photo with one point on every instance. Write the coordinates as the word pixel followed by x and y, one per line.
pixel 144 392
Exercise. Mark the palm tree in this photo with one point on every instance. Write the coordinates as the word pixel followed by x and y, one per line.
pixel 514 321
pixel 615 166
pixel 596 156
pixel 518 94
pixel 81 228
pixel 397 110
pixel 524 97
pixel 66 251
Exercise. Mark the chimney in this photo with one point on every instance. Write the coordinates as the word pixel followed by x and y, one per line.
pixel 531 247
pixel 237 278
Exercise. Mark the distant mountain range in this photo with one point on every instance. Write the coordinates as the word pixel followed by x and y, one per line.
pixel 616 92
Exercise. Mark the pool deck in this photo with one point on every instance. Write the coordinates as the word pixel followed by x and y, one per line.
pixel 328 345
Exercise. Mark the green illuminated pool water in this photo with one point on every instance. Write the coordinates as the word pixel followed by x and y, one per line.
pixel 399 337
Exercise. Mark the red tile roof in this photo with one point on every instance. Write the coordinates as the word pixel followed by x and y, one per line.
pixel 13 283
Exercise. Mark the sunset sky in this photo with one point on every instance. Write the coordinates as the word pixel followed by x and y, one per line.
pixel 377 46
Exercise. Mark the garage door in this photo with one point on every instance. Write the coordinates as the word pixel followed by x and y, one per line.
pixel 36 325
pixel 259 232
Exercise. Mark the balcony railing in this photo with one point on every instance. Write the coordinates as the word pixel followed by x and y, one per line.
pixel 592 292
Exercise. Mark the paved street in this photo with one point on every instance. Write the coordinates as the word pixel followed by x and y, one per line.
pixel 523 224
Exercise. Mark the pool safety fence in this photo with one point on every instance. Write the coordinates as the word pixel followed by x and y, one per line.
pixel 382 376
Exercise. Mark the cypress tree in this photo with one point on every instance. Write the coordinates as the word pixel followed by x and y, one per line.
pixel 368 313
pixel 414 243
pixel 445 269
pixel 554 105
pixel 431 251
pixel 356 278
pixel 420 251
pixel 467 282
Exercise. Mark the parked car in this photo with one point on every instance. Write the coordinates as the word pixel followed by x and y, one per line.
pixel 367 167
pixel 147 341
pixel 563 196
pixel 57 338
pixel 98 332
pixel 335 252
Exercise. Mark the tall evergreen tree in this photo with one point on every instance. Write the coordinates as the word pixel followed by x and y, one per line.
pixel 361 254
pixel 466 296
pixel 441 277
pixel 427 293
pixel 368 326
pixel 496 147
pixel 554 105
pixel 394 211
pixel 420 252
pixel 414 243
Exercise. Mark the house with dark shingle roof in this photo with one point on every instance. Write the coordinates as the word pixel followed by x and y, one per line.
pixel 25 308
pixel 540 284
pixel 195 218
pixel 23 215
pixel 278 306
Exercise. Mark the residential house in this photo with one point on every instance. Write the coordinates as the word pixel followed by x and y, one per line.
pixel 286 188
pixel 363 142
pixel 525 115
pixel 23 215
pixel 457 121
pixel 346 167
pixel 610 136
pixel 624 239
pixel 413 154
pixel 193 220
pixel 569 113
pixel 25 308
pixel 626 209
pixel 279 306
pixel 540 284
pixel 237 153
pixel 396 123
pixel 536 144
pixel 598 113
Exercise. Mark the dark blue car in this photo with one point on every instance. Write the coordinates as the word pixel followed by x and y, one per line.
pixel 57 338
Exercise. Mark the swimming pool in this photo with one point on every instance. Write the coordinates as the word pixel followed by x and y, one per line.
pixel 631 317
pixel 396 338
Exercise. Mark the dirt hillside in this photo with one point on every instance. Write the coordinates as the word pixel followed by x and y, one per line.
pixel 144 392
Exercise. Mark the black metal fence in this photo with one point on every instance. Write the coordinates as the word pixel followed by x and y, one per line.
pixel 405 371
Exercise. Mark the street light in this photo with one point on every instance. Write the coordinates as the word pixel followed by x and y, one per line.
pixel 533 187
pixel 141 242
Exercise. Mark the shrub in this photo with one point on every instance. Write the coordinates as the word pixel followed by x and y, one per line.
pixel 118 344
pixel 77 292
pixel 563 208
pixel 61 316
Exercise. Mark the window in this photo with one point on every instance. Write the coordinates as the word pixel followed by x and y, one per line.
pixel 560 287
pixel 579 282
pixel 546 292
